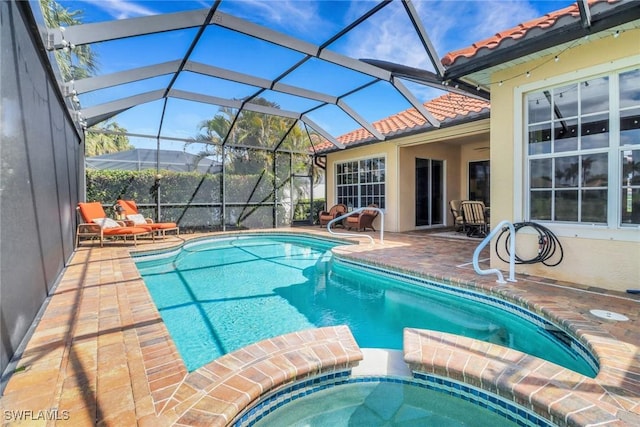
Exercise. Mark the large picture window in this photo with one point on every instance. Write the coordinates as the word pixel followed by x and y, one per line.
pixel 577 135
pixel 361 183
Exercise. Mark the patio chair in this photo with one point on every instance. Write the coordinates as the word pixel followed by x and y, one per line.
pixel 456 212
pixel 131 211
pixel 475 222
pixel 97 224
pixel 362 220
pixel 324 217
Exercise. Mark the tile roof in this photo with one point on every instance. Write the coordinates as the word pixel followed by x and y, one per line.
pixel 543 23
pixel 447 108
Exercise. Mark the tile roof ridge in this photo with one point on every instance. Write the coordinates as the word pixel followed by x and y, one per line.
pixel 448 105
pixel 544 22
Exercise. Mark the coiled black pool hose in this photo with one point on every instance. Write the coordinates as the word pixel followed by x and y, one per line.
pixel 548 245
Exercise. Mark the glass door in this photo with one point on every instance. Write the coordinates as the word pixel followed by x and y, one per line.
pixel 429 192
pixel 479 181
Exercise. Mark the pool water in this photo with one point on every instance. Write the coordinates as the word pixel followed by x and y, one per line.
pixel 383 403
pixel 217 296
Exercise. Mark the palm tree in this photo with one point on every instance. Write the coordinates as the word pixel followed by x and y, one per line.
pixel 80 62
pixel 212 134
pixel 97 143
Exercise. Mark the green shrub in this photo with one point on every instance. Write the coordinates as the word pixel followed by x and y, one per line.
pixel 190 198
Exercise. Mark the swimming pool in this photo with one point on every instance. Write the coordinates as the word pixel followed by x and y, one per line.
pixel 218 295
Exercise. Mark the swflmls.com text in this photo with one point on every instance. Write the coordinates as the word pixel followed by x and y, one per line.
pixel 29 415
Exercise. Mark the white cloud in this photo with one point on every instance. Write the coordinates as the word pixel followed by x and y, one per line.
pixel 296 16
pixel 123 9
pixel 449 24
pixel 500 15
pixel 387 36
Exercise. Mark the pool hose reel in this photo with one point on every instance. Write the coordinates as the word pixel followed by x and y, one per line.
pixel 548 245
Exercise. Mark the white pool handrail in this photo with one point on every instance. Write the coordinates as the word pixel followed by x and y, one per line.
pixel 512 253
pixel 368 208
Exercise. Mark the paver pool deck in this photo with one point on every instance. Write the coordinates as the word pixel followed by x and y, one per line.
pixel 101 355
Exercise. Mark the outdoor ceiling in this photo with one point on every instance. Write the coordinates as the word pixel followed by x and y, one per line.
pixel 169 73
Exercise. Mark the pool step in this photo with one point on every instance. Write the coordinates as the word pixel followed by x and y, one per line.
pixel 380 361
pixel 322 264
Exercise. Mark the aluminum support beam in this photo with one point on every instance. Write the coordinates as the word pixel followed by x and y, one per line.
pixel 230 22
pixel 232 103
pixel 257 108
pixel 245 27
pixel 118 29
pixel 250 80
pixel 305 93
pixel 415 102
pixel 354 64
pixel 585 13
pixel 358 118
pixel 225 74
pixel 429 78
pixel 120 105
pixel 424 38
pixel 122 77
pixel 205 99
pixel 252 107
pixel 321 131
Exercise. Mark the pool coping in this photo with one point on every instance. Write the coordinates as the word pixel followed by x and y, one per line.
pixel 102 355
pixel 218 392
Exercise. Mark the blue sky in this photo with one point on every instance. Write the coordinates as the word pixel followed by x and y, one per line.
pixel 388 35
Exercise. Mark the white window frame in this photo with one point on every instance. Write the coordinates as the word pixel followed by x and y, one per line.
pixel 612 229
pixel 360 184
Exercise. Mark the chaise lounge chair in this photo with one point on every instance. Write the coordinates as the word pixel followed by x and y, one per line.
pixel 362 220
pixel 131 211
pixel 97 224
pixel 324 217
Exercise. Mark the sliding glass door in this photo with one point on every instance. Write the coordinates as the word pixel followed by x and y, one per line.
pixel 429 192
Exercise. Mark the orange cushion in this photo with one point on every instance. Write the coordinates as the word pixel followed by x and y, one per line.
pixel 91 211
pixel 162 225
pixel 129 206
pixel 124 231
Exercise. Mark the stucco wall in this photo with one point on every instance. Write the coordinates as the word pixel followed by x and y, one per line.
pixel 384 149
pixel 596 256
pixel 456 146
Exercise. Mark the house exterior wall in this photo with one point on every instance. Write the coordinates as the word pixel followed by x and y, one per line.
pixel 599 256
pixel 384 149
pixel 456 146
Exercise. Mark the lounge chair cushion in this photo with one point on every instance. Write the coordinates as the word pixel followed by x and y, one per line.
pixel 138 219
pixel 131 208
pixel 105 223
pixel 125 231
pixel 162 225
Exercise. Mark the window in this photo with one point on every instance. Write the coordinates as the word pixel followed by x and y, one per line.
pixel 361 182
pixel 575 134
